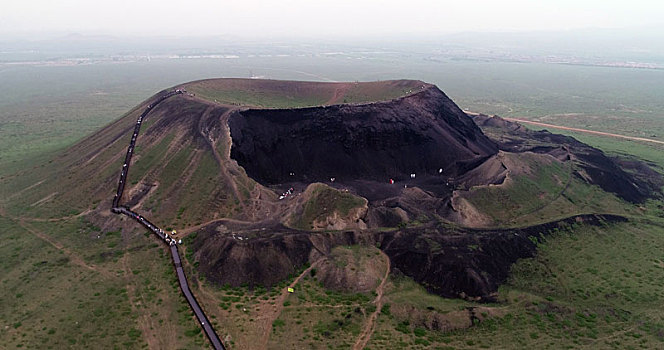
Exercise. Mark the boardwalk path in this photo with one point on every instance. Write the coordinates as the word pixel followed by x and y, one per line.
pixel 175 254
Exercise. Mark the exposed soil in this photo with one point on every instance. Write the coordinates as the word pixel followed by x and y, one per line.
pixel 321 207
pixel 444 322
pixel 369 327
pixel 240 258
pixel 450 262
pixel 352 270
pixel 139 192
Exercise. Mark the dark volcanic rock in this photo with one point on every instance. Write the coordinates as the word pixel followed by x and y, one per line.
pixel 256 261
pixel 420 133
pixel 451 262
pixel 597 168
pixel 470 263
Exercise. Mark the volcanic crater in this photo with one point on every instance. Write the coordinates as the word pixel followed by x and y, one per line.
pixel 423 134
pixel 263 177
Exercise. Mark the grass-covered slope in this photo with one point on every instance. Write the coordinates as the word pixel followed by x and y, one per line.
pixel 537 188
pixel 180 172
pixel 69 284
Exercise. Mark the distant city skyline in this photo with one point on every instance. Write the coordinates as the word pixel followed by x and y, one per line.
pixel 321 18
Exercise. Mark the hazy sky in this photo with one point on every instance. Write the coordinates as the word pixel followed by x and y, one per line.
pixel 310 18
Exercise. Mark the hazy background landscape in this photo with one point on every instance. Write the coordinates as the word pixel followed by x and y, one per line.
pixel 58 89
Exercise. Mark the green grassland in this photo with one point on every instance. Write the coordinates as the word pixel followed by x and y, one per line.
pixel 256 98
pixel 588 287
pixel 315 317
pixel 68 284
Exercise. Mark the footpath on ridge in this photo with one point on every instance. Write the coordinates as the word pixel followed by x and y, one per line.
pixel 177 262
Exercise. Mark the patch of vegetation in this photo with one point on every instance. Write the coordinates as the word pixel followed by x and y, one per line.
pixel 323 202
pixel 546 191
pixel 79 287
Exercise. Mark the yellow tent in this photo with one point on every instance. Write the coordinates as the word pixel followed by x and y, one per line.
pixel 291 290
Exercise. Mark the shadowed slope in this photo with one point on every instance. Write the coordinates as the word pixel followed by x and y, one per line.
pixel 420 133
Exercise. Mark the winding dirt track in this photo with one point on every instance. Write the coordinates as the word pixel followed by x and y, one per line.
pixel 59 246
pixel 278 307
pixel 600 133
pixel 369 327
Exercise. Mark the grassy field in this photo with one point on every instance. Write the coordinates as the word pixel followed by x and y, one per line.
pixel 311 317
pixel 589 287
pixel 68 284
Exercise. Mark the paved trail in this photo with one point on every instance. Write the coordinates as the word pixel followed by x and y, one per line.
pixel 175 254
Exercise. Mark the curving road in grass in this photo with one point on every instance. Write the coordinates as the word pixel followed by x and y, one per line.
pixel 177 262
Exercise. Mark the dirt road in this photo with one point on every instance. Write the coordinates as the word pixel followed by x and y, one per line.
pixel 600 133
pixel 273 314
